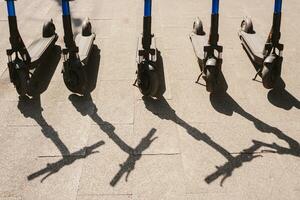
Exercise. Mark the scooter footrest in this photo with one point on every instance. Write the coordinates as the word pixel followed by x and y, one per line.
pixel 254 44
pixel 198 42
pixel 37 49
pixel 84 44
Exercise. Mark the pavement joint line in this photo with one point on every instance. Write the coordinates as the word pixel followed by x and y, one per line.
pixel 105 194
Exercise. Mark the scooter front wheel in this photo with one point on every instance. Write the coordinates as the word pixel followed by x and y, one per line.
pixel 148 82
pixel 210 79
pixel 76 80
pixel 269 78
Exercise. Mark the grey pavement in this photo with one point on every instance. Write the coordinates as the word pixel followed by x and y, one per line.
pixel 117 145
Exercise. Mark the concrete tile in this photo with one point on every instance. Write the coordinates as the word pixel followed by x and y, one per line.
pixel 104 197
pixel 115 101
pixel 163 174
pixel 99 170
pixel 148 115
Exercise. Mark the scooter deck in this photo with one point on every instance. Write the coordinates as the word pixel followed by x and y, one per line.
pixel 39 47
pixel 84 44
pixel 140 50
pixel 198 42
pixel 254 45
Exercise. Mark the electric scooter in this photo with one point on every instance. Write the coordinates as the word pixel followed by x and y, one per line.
pixel 148 80
pixel 207 50
pixel 76 57
pixel 266 56
pixel 23 61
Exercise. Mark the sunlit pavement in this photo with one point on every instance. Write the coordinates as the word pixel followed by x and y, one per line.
pixel 117 145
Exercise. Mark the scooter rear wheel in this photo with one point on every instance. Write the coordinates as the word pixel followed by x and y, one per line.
pixel 148 82
pixel 247 25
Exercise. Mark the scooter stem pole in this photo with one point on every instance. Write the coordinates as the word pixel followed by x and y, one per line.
pixel 214 28
pixel 68 37
pixel 12 19
pixel 276 21
pixel 147 37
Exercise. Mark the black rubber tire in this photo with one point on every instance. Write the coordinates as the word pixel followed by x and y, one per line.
pixel 76 80
pixel 211 79
pixel 21 82
pixel 269 78
pixel 148 83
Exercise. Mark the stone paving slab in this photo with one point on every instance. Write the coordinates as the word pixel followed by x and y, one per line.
pixel 181 147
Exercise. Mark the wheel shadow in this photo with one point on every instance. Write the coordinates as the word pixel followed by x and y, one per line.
pixel 281 98
pixel 86 107
pixel 31 108
pixel 225 104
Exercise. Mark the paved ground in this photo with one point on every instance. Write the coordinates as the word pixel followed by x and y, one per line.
pixel 117 145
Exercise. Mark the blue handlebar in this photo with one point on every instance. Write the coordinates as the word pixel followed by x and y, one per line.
pixel 147 8
pixel 278 6
pixel 11 8
pixel 65 7
pixel 215 7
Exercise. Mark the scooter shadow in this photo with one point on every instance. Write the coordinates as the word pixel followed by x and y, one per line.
pixel 86 107
pixel 92 68
pixel 281 98
pixel 42 76
pixel 31 108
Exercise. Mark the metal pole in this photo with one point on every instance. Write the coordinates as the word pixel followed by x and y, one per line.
pixel 147 37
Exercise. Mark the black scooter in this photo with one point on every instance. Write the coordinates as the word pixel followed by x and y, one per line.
pixel 148 80
pixel 207 50
pixel 22 61
pixel 266 56
pixel 76 57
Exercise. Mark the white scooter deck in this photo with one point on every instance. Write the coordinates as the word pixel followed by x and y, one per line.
pixel 84 44
pixel 254 44
pixel 38 47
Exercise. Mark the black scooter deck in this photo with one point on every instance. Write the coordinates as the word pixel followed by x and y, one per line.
pixel 140 50
pixel 254 45
pixel 37 49
pixel 84 44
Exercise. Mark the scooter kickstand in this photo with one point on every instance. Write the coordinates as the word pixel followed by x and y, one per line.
pixel 259 71
pixel 134 84
pixel 198 79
